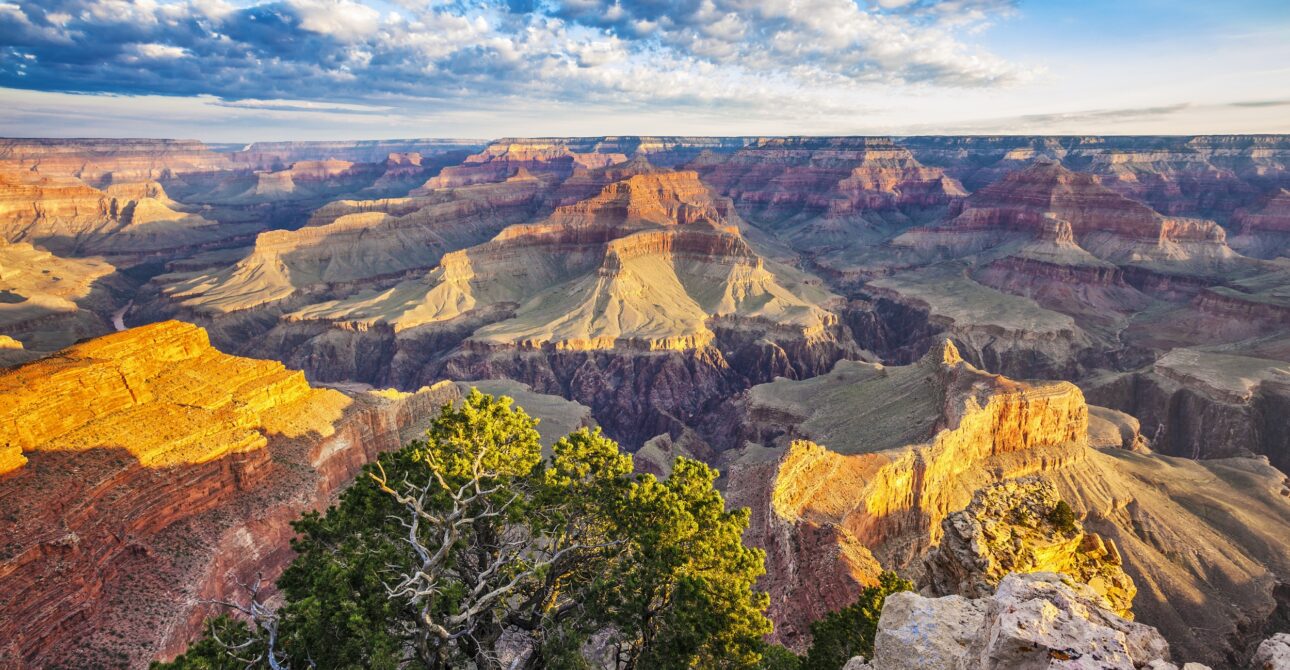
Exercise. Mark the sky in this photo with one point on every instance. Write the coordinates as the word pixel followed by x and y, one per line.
pixel 254 70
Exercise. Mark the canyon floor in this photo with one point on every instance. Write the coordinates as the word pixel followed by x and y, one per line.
pixel 861 333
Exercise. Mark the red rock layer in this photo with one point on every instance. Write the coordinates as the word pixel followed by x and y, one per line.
pixel 838 175
pixel 131 509
pixel 1023 200
pixel 545 159
pixel 106 161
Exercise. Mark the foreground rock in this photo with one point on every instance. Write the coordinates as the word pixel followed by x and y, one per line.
pixel 1038 620
pixel 1273 653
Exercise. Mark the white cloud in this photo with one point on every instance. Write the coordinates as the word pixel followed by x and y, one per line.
pixel 343 19
pixel 159 51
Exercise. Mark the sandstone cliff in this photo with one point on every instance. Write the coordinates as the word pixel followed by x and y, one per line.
pixel 905 447
pixel 649 281
pixel 145 471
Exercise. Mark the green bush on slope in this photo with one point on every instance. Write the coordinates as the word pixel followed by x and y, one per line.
pixel 468 544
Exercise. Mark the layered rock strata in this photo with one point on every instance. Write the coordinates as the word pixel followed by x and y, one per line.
pixel 646 289
pixel 893 451
pixel 48 302
pixel 146 473
pixel 1107 224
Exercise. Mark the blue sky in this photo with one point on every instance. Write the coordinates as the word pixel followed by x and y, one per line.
pixel 246 70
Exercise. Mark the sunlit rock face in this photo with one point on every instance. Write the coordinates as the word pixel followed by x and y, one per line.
pixel 876 458
pixel 48 302
pixel 65 215
pixel 1013 526
pixel 650 280
pixel 858 470
pixel 349 242
pixel 145 471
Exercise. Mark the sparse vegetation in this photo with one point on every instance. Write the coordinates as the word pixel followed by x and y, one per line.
pixel 1063 518
pixel 469 549
pixel 850 631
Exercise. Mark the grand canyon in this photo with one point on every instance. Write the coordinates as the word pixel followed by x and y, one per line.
pixel 644 335
pixel 885 345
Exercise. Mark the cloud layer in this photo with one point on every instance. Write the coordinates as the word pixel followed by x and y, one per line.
pixel 464 53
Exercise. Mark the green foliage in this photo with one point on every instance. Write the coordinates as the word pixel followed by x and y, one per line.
pixel 777 657
pixel 850 631
pixel 401 572
pixel 1063 517
pixel 212 651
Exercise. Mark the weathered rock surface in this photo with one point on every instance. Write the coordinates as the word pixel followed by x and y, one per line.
pixel 1273 653
pixel 1265 232
pixel 351 243
pixel 1039 620
pixel 145 471
pixel 67 216
pixel 1107 224
pixel 906 447
pixel 1208 404
pixel 1011 527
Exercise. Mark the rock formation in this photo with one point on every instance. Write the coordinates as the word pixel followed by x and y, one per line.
pixel 1014 526
pixel 1040 620
pixel 1265 232
pixel 350 242
pixel 649 280
pixel 48 302
pixel 825 193
pixel 1107 224
pixel 1273 653
pixel 68 216
pixel 893 451
pixel 1207 404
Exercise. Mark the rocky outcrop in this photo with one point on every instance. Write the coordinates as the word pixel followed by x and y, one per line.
pixel 1273 653
pixel 1265 232
pixel 906 447
pixel 1207 404
pixel 1107 224
pixel 160 473
pixel 48 302
pixel 1015 526
pixel 890 458
pixel 1040 620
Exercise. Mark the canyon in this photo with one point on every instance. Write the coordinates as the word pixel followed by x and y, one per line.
pixel 881 343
